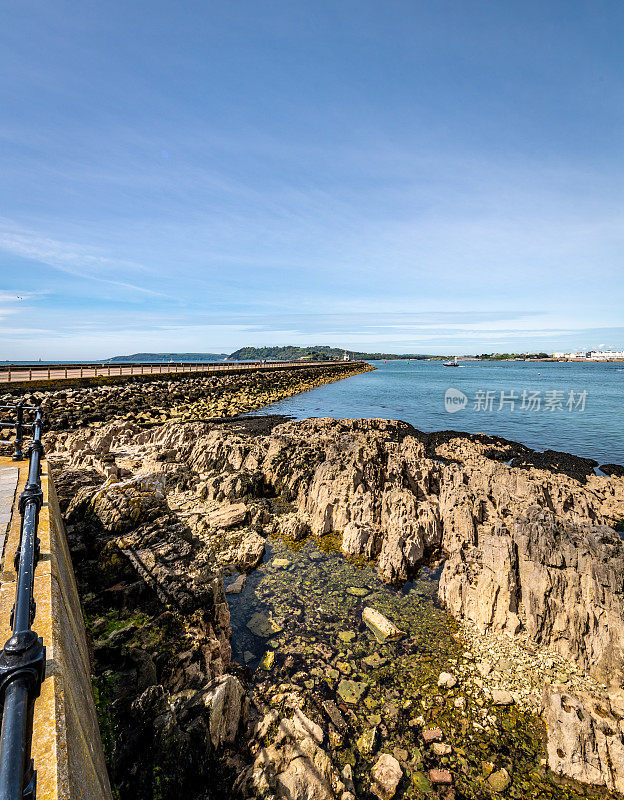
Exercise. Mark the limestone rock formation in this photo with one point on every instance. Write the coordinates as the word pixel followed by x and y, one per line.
pixel 564 579
pixel 293 766
pixel 227 704
pixel 528 538
pixel 361 539
pixel 227 516
pixel 119 507
pixel 175 704
pixel 293 527
pixel 585 741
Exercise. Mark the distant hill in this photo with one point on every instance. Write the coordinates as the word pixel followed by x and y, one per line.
pixel 288 353
pixel 313 353
pixel 167 357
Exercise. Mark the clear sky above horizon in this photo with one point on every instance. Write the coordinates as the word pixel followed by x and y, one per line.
pixel 442 176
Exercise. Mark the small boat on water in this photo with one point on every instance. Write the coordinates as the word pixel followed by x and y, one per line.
pixel 450 363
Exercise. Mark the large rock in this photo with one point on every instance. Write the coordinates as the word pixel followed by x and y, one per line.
pixel 293 767
pixel 566 578
pixel 293 527
pixel 227 704
pixel 303 726
pixel 386 776
pixel 120 506
pixel 250 552
pixel 384 630
pixel 227 516
pixel 412 527
pixel 301 781
pixel 585 741
pixel 361 538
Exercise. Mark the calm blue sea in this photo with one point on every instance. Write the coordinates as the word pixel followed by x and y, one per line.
pixel 575 408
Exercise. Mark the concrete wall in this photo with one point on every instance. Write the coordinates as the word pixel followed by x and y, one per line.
pixel 67 747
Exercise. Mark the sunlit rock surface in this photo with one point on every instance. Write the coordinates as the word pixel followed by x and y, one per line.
pixel 529 539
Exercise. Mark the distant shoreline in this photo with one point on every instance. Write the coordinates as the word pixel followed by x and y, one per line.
pixel 431 359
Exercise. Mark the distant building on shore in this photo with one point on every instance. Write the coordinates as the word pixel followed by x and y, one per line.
pixel 591 355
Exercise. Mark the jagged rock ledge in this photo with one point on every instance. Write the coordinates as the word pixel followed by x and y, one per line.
pixel 530 540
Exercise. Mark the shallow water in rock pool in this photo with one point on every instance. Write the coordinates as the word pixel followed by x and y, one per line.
pixel 298 625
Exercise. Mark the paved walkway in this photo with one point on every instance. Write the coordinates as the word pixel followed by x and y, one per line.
pixel 8 484
pixel 38 373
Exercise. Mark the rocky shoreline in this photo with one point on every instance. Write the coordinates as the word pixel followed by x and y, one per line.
pixel 154 399
pixel 313 523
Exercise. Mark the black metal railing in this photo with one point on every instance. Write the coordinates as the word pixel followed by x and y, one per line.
pixel 22 661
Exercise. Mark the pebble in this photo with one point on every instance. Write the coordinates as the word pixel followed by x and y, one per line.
pixel 400 754
pixel 440 777
pixel 261 625
pixel 484 668
pixel 386 776
pixel 268 660
pixel 374 661
pixel 367 742
pixel 447 680
pixel 432 735
pixel 351 691
pixel 499 780
pixel 421 782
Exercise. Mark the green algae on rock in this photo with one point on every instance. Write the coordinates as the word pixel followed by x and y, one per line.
pixel 323 629
pixel 351 691
pixel 268 660
pixel 262 626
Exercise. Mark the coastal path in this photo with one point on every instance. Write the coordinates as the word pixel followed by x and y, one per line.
pixel 20 373
pixel 50 739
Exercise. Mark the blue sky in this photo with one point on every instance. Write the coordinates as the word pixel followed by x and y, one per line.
pixel 442 176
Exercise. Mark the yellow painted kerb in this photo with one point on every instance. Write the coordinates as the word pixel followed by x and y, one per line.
pixel 67 747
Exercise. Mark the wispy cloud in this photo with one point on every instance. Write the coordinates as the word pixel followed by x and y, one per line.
pixel 74 259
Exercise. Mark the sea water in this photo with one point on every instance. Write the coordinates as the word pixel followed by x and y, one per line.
pixel 574 408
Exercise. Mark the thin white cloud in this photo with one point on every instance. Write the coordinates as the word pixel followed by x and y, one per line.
pixel 74 259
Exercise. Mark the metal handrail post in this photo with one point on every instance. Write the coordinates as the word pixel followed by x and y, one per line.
pixel 22 661
pixel 18 455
